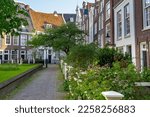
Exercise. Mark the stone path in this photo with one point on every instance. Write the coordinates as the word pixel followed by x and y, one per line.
pixel 44 86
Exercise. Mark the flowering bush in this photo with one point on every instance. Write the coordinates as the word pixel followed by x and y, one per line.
pixel 96 80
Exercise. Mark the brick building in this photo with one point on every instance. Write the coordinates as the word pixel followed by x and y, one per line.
pixel 142 31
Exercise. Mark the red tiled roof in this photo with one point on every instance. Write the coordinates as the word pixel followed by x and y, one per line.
pixel 39 19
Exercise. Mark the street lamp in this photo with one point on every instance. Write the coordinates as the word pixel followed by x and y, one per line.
pixel 16 55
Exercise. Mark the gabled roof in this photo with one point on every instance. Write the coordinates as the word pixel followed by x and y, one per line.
pixel 39 19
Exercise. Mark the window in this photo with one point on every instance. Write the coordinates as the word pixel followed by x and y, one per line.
pixel 14 54
pixel 71 19
pixel 119 25
pixel 107 33
pixel 107 10
pixel 8 39
pixel 16 40
pixel 120 49
pixel 23 40
pixel 101 5
pixel 129 50
pixel 101 21
pixel 127 19
pixel 1 55
pixel 6 55
pixel 95 26
pixel 47 26
pixel 23 54
pixel 146 10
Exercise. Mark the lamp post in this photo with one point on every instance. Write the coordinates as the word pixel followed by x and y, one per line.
pixel 16 55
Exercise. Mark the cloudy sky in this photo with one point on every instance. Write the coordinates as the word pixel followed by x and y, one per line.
pixel 49 6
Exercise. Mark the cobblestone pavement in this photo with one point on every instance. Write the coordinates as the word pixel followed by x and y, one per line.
pixel 44 86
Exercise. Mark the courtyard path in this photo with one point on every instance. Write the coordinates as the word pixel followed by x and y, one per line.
pixel 44 86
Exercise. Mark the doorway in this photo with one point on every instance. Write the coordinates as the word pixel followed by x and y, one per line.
pixel 49 59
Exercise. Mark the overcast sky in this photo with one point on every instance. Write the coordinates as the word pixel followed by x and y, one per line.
pixel 49 6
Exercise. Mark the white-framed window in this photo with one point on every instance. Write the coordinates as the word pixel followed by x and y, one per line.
pixel 14 54
pixel 71 19
pixel 119 24
pixel 127 20
pixel 95 28
pixel 146 13
pixel 23 40
pixel 23 54
pixel 0 41
pixel 8 40
pixel 6 55
pixel 16 40
pixel 1 55
pixel 101 21
pixel 120 49
pixel 48 26
pixel 101 5
pixel 108 10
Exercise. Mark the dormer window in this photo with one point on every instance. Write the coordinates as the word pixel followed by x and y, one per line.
pixel 48 26
pixel 24 29
pixel 71 19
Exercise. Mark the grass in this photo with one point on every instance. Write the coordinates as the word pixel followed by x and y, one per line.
pixel 8 71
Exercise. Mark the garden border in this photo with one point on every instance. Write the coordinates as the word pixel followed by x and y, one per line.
pixel 9 85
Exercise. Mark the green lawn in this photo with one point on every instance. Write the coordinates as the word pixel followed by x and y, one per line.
pixel 8 71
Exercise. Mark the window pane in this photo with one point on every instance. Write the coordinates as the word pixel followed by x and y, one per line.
pixel 127 19
pixel 119 24
pixel 16 40
pixel 23 40
pixel 147 3
pixel 8 39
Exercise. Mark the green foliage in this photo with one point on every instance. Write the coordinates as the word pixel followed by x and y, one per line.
pixel 6 74
pixel 106 56
pixel 10 16
pixel 8 67
pixel 145 75
pixel 39 40
pixel 82 56
pixel 61 38
pixel 96 80
pixel 66 85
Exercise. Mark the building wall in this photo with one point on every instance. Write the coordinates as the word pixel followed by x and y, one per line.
pixel 125 41
pixel 142 35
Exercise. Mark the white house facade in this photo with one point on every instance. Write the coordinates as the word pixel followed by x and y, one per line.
pixel 124 28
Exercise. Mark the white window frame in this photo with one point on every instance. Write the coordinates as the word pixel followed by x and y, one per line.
pixel 21 40
pixel 145 26
pixel 107 13
pixel 6 54
pixel 95 28
pixel 16 37
pixel 127 17
pixel 6 38
pixel 101 5
pixel 119 37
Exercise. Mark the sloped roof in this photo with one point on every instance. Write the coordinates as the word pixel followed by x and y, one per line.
pixel 39 19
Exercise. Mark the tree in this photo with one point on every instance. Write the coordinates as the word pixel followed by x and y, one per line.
pixel 82 56
pixel 10 19
pixel 60 38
